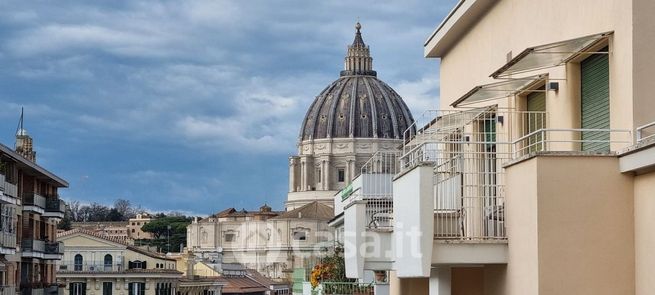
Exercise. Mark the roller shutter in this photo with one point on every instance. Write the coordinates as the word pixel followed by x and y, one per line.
pixel 595 102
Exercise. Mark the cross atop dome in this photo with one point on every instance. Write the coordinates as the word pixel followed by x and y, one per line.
pixel 358 60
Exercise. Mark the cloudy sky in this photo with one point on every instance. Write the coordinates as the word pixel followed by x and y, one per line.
pixel 191 105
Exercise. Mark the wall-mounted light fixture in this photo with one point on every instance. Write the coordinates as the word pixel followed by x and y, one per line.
pixel 553 86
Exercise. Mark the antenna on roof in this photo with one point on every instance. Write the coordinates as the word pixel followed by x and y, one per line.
pixel 20 130
pixel 24 145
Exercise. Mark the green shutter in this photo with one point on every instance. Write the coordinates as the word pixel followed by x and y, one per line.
pixel 595 102
pixel 536 102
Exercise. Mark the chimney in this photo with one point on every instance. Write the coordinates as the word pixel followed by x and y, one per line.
pixel 24 145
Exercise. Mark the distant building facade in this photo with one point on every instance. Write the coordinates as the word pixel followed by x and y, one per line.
pixel 126 231
pixel 95 264
pixel 30 210
pixel 272 243
pixel 135 224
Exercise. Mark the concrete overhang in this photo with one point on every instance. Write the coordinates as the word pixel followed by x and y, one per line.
pixel 32 168
pixel 639 159
pixel 469 252
pixel 465 14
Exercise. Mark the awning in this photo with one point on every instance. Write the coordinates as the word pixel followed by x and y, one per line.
pixel 453 121
pixel 500 89
pixel 551 55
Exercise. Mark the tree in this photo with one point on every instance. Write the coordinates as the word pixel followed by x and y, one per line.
pixel 124 207
pixel 115 215
pixel 65 223
pixel 98 212
pixel 74 207
pixel 159 228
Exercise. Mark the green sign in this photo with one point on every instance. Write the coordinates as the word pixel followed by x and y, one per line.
pixel 346 192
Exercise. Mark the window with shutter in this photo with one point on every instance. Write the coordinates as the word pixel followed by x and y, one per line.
pixel 536 103
pixel 595 110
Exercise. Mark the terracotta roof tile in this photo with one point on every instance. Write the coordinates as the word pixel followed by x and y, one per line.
pixel 113 240
pixel 313 210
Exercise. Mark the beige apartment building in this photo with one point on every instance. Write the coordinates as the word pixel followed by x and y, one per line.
pixel 30 210
pixel 535 176
pixel 135 224
pixel 126 231
pixel 95 264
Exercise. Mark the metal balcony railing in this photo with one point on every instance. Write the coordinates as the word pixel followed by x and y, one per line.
pixel 8 188
pixel 97 266
pixel 54 248
pixel 645 132
pixel 572 140
pixel 32 246
pixel 7 290
pixel 343 288
pixel 377 189
pixel 7 239
pixel 54 204
pixel 34 199
pixel 466 150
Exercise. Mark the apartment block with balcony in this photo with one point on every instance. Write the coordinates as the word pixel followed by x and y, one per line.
pixel 30 209
pixel 535 176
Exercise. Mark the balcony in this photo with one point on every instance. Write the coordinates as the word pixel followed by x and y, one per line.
pixel 7 243
pixel 54 208
pixel 369 215
pixel 7 290
pixel 54 250
pixel 33 248
pixel 95 267
pixel 8 191
pixel 573 141
pixel 34 202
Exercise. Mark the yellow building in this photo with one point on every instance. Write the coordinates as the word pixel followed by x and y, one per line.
pixel 97 264
pixel 535 175
pixel 135 224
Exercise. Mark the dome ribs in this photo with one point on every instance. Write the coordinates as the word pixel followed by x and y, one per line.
pixel 358 104
pixel 390 107
pixel 315 112
pixel 353 107
pixel 331 130
pixel 374 115
pixel 364 115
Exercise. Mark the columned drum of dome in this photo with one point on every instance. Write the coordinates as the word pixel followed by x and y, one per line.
pixel 351 119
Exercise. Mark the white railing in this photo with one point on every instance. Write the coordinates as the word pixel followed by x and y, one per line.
pixel 379 214
pixel 382 162
pixel 423 145
pixel 645 132
pixel 571 140
pixel 97 266
pixel 376 177
pixel 467 149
